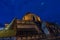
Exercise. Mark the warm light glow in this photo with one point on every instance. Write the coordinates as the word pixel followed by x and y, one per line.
pixel 38 18
pixel 29 17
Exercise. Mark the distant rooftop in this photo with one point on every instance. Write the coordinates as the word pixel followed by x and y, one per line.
pixel 31 17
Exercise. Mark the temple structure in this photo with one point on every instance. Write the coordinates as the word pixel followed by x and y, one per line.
pixel 31 27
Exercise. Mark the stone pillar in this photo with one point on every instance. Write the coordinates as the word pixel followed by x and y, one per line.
pixel 34 37
pixel 38 36
pixel 21 38
pixel 26 38
pixel 31 37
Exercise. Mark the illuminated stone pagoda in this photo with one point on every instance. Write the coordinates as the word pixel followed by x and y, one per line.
pixel 30 28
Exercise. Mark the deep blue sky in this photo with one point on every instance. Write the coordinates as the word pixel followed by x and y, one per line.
pixel 48 10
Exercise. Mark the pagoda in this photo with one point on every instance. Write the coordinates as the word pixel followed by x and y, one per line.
pixel 31 27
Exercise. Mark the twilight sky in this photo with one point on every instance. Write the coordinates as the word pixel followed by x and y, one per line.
pixel 48 10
